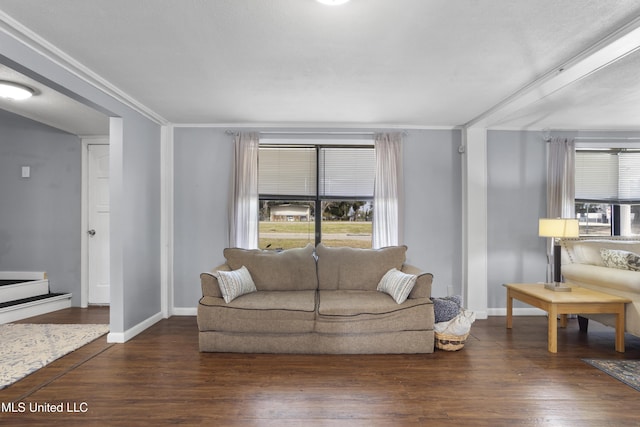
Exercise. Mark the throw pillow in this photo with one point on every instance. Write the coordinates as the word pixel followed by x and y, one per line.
pixel 633 261
pixel 235 283
pixel 397 284
pixel 446 308
pixel 615 258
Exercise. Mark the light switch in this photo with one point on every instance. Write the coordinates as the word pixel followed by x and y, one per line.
pixel 26 171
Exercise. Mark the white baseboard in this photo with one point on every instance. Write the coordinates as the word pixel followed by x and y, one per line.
pixel 122 337
pixel 184 311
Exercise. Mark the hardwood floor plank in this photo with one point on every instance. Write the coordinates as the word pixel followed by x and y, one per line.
pixel 501 377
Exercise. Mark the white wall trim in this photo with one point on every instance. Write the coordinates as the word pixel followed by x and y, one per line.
pixel 166 220
pixel 122 337
pixel 116 230
pixel 311 126
pixel 185 311
pixel 84 216
pixel 474 226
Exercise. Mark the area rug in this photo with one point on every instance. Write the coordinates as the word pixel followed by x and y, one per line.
pixel 627 371
pixel 27 347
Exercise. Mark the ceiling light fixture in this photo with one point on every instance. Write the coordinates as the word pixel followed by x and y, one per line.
pixel 15 91
pixel 333 2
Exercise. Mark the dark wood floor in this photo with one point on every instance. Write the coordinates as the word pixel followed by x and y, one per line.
pixel 501 378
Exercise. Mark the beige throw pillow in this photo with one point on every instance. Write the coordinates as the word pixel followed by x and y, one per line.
pixel 235 283
pixel 397 284
pixel 615 258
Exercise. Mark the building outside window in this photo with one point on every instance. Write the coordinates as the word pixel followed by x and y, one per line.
pixel 312 193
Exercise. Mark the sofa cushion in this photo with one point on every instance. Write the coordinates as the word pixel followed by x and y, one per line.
pixel 346 268
pixel 352 311
pixel 288 270
pixel 235 283
pixel 603 277
pixel 397 284
pixel 260 312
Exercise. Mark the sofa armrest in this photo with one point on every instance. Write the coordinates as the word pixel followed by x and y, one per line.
pixel 209 282
pixel 422 288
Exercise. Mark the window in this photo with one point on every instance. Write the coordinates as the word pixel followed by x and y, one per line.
pixel 313 193
pixel 608 192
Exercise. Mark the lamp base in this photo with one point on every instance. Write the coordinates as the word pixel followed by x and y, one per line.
pixel 557 287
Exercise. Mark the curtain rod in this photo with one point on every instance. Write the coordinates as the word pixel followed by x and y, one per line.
pixel 363 133
pixel 612 138
pixel 599 138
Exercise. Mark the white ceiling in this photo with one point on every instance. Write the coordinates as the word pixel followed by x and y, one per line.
pixel 405 63
pixel 53 108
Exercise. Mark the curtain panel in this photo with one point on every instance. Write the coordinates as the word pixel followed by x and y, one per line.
pixel 243 215
pixel 560 178
pixel 388 194
pixel 561 188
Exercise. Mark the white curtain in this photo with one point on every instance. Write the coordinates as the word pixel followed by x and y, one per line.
pixel 243 215
pixel 388 190
pixel 561 187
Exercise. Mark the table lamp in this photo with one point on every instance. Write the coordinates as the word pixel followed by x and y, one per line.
pixel 557 228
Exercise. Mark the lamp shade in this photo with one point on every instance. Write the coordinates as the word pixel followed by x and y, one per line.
pixel 558 227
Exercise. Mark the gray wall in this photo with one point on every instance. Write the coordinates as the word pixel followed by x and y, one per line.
pixel 140 221
pixel 40 215
pixel 433 206
pixel 516 198
pixel 203 159
pixel 135 189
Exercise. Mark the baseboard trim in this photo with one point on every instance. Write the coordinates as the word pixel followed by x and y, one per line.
pixel 184 311
pixel 122 337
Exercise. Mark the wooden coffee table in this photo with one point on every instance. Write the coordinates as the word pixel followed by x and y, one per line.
pixel 578 301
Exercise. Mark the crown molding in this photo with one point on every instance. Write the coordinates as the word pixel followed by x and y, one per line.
pixel 33 41
pixel 323 126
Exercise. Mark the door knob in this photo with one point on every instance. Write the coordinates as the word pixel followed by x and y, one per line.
pixel 91 232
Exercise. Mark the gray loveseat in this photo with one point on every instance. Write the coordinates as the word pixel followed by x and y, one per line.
pixel 316 300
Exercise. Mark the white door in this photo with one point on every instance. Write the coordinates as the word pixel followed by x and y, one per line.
pixel 98 224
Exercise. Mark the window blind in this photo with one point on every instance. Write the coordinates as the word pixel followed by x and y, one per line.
pixel 287 171
pixel 343 172
pixel 346 172
pixel 629 176
pixel 607 176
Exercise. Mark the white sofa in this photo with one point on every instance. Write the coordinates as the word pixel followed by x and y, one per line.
pixel 583 265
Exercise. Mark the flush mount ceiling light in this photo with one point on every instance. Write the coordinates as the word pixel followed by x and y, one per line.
pixel 333 2
pixel 15 91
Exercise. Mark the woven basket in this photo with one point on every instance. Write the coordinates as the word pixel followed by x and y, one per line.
pixel 450 342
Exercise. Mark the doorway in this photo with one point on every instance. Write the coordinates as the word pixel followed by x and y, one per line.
pixel 96 286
